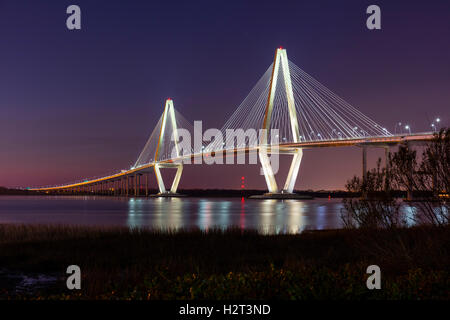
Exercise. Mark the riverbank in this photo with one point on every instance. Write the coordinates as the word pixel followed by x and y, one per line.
pixel 119 263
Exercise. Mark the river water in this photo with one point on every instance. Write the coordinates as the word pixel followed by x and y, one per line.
pixel 267 216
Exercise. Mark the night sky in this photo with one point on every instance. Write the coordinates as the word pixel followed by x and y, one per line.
pixel 76 104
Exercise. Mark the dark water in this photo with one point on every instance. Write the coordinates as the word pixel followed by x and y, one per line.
pixel 269 216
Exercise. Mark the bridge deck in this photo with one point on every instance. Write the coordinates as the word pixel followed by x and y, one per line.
pixel 371 141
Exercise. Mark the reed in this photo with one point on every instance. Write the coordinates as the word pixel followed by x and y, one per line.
pixel 121 263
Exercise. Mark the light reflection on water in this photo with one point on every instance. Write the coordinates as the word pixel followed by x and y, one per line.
pixel 268 216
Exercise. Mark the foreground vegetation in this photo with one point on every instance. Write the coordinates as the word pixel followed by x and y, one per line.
pixel 425 179
pixel 119 263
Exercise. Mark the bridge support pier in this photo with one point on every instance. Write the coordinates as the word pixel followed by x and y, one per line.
pixel 364 164
pixel 137 184
pixel 268 172
pixel 386 161
pixel 160 181
pixel 293 172
pixel 409 192
pixel 288 189
pixel 146 184
pixel 364 171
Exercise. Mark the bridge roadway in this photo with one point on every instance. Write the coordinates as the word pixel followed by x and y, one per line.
pixel 381 141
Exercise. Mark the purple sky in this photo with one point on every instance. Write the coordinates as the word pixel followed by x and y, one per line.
pixel 76 104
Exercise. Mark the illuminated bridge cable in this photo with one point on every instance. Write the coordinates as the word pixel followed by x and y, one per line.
pixel 321 115
pixel 167 148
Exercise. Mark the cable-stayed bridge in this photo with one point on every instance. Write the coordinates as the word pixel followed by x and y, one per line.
pixel 285 112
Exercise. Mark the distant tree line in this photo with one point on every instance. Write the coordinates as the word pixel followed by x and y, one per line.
pixel 7 191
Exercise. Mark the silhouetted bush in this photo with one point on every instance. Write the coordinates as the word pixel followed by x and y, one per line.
pixel 428 179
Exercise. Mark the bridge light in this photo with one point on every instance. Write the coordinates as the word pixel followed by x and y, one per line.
pixel 438 120
pixel 407 127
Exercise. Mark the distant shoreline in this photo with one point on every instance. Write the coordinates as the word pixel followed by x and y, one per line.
pixel 219 193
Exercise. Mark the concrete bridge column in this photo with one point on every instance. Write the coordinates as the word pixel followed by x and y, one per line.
pixel 130 186
pixel 136 184
pixel 364 164
pixel 176 180
pixel 434 185
pixel 409 192
pixel 364 170
pixel 386 160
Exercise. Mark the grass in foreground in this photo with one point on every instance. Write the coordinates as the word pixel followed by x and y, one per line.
pixel 119 263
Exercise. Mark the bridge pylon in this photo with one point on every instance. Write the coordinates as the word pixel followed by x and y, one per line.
pixel 168 119
pixel 280 61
